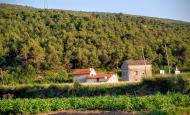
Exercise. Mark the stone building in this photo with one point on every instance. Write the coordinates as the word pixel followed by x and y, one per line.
pixel 135 70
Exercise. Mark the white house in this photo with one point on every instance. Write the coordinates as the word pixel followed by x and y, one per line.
pixel 81 74
pixel 102 78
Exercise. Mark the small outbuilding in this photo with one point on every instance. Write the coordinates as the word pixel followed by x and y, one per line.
pixel 135 70
pixel 177 71
pixel 81 74
pixel 109 78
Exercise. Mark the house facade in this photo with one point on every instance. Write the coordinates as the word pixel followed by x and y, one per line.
pixel 90 76
pixel 135 70
pixel 81 74
pixel 109 78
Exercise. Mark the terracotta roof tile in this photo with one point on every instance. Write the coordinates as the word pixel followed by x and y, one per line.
pixel 81 71
pixel 100 76
pixel 137 62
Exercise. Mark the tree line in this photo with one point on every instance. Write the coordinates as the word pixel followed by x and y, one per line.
pixel 46 39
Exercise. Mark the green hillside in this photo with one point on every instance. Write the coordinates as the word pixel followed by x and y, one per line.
pixel 41 39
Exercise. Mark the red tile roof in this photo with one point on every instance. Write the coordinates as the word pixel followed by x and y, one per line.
pixel 81 71
pixel 137 62
pixel 100 76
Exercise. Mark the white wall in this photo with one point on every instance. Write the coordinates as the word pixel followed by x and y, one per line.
pixel 114 78
pixel 91 80
pixel 93 72
pixel 95 80
pixel 80 78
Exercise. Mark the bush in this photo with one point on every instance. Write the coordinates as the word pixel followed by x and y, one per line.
pixel 58 75
pixel 19 75
pixel 165 84
pixel 28 74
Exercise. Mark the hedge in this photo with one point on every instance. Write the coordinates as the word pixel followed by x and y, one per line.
pixel 146 87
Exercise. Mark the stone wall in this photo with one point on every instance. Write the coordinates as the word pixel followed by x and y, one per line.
pixel 135 72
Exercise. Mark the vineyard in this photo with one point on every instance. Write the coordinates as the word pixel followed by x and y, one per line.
pixel 162 94
pixel 158 102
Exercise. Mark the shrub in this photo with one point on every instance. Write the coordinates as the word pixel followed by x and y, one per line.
pixel 28 74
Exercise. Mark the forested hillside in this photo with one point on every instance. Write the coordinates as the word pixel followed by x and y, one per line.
pixel 46 39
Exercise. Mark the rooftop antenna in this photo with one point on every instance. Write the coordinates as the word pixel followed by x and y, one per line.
pixel 45 4
pixel 167 59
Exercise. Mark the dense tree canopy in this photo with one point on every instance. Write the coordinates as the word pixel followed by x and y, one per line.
pixel 46 39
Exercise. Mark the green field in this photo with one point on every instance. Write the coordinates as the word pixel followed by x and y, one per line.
pixel 158 95
pixel 158 102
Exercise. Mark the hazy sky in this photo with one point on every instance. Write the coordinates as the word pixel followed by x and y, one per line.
pixel 172 9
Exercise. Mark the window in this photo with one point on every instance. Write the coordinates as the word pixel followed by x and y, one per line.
pixel 136 73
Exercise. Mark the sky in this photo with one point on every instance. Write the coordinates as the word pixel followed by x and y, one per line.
pixel 171 9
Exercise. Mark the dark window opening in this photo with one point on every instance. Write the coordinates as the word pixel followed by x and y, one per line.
pixel 136 72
